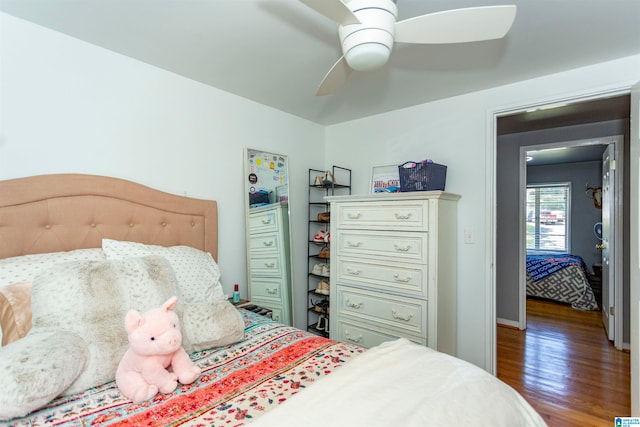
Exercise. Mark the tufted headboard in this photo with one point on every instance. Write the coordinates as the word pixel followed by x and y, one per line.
pixel 51 213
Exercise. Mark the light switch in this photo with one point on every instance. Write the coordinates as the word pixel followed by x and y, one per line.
pixel 469 237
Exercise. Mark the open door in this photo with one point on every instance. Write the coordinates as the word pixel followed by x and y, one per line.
pixel 607 246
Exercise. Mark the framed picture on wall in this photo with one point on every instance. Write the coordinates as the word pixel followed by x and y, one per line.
pixel 385 179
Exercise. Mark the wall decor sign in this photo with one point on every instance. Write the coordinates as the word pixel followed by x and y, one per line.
pixel 385 179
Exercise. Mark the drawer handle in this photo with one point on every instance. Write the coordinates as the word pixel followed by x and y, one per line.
pixel 266 220
pixel 402 216
pixel 402 248
pixel 268 244
pixel 353 272
pixel 349 337
pixel 354 244
pixel 353 215
pixel 397 278
pixel 272 291
pixel 397 316
pixel 356 305
pixel 269 264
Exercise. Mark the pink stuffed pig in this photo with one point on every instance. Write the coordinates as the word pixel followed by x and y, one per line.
pixel 155 360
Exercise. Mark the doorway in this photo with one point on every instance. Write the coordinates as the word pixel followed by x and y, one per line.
pixel 575 121
pixel 569 226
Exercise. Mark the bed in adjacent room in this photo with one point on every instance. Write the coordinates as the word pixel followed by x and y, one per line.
pixel 78 251
pixel 560 277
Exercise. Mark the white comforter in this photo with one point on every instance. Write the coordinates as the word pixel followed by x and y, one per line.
pixel 399 383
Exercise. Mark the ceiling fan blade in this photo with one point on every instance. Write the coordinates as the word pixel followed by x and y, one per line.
pixel 334 10
pixel 457 25
pixel 335 78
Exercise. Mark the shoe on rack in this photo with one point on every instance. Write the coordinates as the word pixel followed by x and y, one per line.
pixel 321 236
pixel 326 325
pixel 325 252
pixel 328 179
pixel 318 269
pixel 324 216
pixel 321 307
pixel 322 320
pixel 324 270
pixel 322 287
pixel 319 181
pixel 327 237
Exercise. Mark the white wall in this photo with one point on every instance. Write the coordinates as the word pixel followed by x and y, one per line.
pixel 66 106
pixel 458 132
pixel 70 107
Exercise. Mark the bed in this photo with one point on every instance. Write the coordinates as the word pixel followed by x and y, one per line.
pixel 56 228
pixel 561 278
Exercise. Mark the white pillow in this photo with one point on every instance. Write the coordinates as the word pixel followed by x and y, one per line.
pixel 197 273
pixel 211 325
pixel 78 334
pixel 26 267
pixel 37 368
pixel 91 298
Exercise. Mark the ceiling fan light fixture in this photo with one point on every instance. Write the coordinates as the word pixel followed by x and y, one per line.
pixel 367 56
pixel 368 29
pixel 367 46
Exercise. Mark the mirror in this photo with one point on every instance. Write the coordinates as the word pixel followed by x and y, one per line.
pixel 266 177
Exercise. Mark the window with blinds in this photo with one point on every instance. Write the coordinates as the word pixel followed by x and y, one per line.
pixel 548 212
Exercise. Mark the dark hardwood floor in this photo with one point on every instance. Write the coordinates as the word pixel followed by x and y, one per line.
pixel 565 366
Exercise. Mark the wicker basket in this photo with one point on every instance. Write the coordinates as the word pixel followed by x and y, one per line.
pixel 422 176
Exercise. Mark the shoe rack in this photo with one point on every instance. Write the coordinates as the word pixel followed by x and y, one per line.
pixel 332 182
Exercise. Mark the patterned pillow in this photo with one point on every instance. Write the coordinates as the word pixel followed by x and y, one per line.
pixel 91 298
pixel 15 311
pixel 26 267
pixel 78 335
pixel 197 273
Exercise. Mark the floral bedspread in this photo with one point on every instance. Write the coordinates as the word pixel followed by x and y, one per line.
pixel 238 383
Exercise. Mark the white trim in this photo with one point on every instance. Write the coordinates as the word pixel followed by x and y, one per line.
pixel 490 245
pixel 491 145
pixel 634 246
pixel 619 187
pixel 522 240
pixel 507 322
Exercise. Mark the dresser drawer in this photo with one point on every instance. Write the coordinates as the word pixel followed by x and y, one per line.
pixel 264 243
pixel 266 293
pixel 385 276
pixel 265 265
pixel 395 312
pixel 260 222
pixel 385 245
pixel 408 215
pixel 366 336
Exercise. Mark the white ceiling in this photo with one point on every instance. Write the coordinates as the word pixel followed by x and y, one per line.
pixel 276 52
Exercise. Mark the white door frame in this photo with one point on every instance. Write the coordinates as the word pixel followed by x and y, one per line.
pixel 618 151
pixel 490 248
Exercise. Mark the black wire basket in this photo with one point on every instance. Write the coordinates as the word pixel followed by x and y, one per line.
pixel 422 176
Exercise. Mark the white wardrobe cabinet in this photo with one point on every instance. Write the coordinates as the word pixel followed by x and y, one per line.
pixel 393 268
pixel 269 281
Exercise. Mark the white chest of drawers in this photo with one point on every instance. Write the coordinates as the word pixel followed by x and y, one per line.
pixel 269 281
pixel 393 268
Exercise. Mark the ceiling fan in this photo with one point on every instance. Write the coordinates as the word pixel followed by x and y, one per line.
pixel 368 29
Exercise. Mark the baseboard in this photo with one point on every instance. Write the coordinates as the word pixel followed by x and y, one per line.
pixel 508 323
